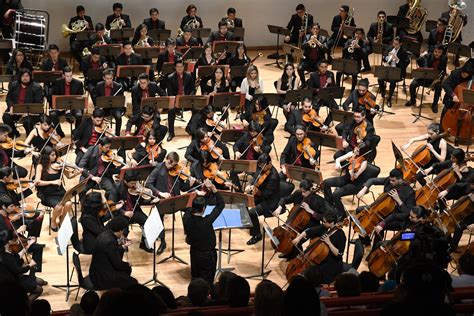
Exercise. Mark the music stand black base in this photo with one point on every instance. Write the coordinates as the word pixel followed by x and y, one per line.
pixel 67 287
pixel 154 280
pixel 173 256
pixel 419 115
pixel 229 251
pixel 219 268
pixel 263 274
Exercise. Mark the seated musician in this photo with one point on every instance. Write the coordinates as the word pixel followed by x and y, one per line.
pixel 299 25
pixel 381 33
pixel 127 58
pixel 239 58
pixel 203 141
pixel 100 171
pixel 149 151
pixel 259 112
pixel 67 85
pixel 16 62
pixel 149 119
pixel 191 20
pixel 467 189
pixel 307 117
pixel 355 164
pixel 187 39
pixel 206 118
pixel 331 266
pixel 207 168
pixel 456 77
pixel 320 79
pixel 299 151
pixel 91 221
pixel 99 38
pixel 50 187
pixel 231 19
pixel 217 84
pixel 80 22
pixel 337 21
pixel 265 188
pixel 7 152
pixel 179 82
pixel 53 63
pixel 165 182
pixel 87 134
pixel 353 50
pixel 314 50
pixel 252 143
pixel 223 34
pixel 362 97
pixel 117 20
pixel 399 190
pixel 457 163
pixel 23 91
pixel 287 82
pixel 109 88
pixel 436 60
pixel 453 10
pixel 93 61
pixel 153 22
pixel 251 85
pixel 170 55
pixel 141 39
pixel 397 57
pixel 107 269
pixel 436 36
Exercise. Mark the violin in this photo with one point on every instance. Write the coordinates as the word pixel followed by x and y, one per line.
pixel 367 101
pixel 53 136
pixel 111 157
pixel 264 173
pixel 305 147
pixel 313 118
pixel 211 147
pixel 450 217
pixel 179 170
pixel 355 163
pixel 215 125
pixel 103 129
pixel 459 117
pixel 59 165
pixel 27 212
pixel 360 132
pixel 106 207
pixel 259 116
pixel 212 172
pixel 153 151
pixel 17 144
pixel 17 244
pixel 428 194
pixel 139 190
pixel 13 185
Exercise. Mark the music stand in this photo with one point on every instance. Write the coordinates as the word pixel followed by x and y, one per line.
pixel 345 66
pixel 387 74
pixel 148 52
pixel 349 31
pixel 132 71
pixel 46 76
pixel 424 74
pixel 95 74
pixel 326 140
pixel 28 108
pixel 193 53
pixel 378 48
pixel 110 50
pixel 459 49
pixel 158 103
pixel 345 117
pixel 69 103
pixel 73 192
pixel 238 71
pixel 166 69
pixel 229 46
pixel 278 30
pixel 142 171
pixel 294 51
pixel 239 33
pixel 412 46
pixel 195 102
pixel 84 36
pixel 300 173
pixel 3 79
pixel 208 71
pixel 231 135
pixel 273 99
pixel 125 143
pixel 171 206
pixel 200 32
pixel 159 35
pixel 121 34
pixel 231 99
pixel 331 93
pixel 297 96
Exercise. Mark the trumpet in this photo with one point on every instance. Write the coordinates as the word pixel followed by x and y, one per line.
pixel 351 48
pixel 313 42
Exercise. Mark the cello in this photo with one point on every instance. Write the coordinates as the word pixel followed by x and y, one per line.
pixel 428 194
pixel 450 217
pixel 459 117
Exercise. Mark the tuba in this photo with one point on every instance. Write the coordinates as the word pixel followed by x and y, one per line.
pixel 455 23
pixel 76 27
pixel 379 37
pixel 416 22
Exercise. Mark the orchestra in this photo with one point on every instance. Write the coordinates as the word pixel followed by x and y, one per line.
pixel 128 160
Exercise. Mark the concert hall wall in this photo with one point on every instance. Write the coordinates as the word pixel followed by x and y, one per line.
pixel 256 14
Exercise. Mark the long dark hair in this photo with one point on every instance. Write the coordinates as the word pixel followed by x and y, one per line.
pixel 92 204
pixel 284 76
pixel 44 158
pixel 137 35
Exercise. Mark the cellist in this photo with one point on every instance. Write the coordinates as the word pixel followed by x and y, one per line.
pixel 455 78
pixel 458 164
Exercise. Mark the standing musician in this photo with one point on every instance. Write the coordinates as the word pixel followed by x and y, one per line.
pixel 117 20
pixel 362 97
pixel 239 58
pixel 93 61
pixel 353 50
pixel 153 22
pixel 128 57
pixel 299 151
pixel 456 77
pixel 179 82
pixel 166 180
pixel 67 85
pixel 381 33
pixel 108 88
pixel 203 141
pixel 307 117
pixel 200 234
pixel 397 57
pixel 320 79
pixel 80 22
pixel 148 120
pixel 332 266
pixel 348 184
pixel 231 19
pixel 436 36
pixel 259 112
pixel 187 39
pixel 359 133
pixel 314 50
pixel 170 55
pixel 223 34
pixel 148 152
pixel 436 60
pixel 49 183
pixel 339 21
pixel 17 62
pixel 87 134
pixel 265 188
pixel 8 152
pixel 287 82
pixel 22 91
pixel 107 269
pixel 191 20
pixel 299 25
pixel 92 220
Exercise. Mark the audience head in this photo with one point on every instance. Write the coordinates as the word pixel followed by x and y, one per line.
pixel 166 296
pixel 221 288
pixel 89 302
pixel 313 275
pixel 268 300
pixel 369 282
pixel 40 307
pixel 117 225
pixel 301 298
pixel 347 284
pixel 12 292
pixel 112 302
pixel 238 289
pixel 143 301
pixel 466 263
pixel 198 291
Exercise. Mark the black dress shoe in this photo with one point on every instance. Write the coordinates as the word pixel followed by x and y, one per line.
pixel 162 247
pixel 255 239
pixel 365 240
pixel 389 103
pixel 144 247
pixel 409 103
pixel 170 137
pixel 434 108
pixel 365 69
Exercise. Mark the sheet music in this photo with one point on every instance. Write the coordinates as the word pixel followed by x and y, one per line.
pixel 64 235
pixel 152 228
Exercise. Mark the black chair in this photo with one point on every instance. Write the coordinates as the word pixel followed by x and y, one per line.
pixel 373 146
pixel 356 257
pixel 75 241
pixel 84 282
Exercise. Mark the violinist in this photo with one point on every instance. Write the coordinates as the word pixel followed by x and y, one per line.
pixel 187 40
pixel 436 60
pixel 358 133
pixel 166 180
pixel 239 58
pixel 49 183
pixel 455 78
pixel 87 134
pixel 9 150
pixel 362 97
pixel 207 118
pixel 287 82
pixel 251 144
pixel 202 141
pixel 109 88
pixel 91 221
pixel 206 169
pixel 348 184
pixel 149 120
pixel 149 151
pixel 312 54
pixel 217 84
pixel 266 189
pixel 357 46
pixel 259 112
pixel 299 151
pixel 96 165
pixel 321 79
pixel 306 117
pixel 332 265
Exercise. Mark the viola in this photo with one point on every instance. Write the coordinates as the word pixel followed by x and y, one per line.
pixel 450 217
pixel 428 194
pixel 138 190
pixel 459 117
pixel 211 147
pixel 17 244
pixel 312 118
pixel 111 157
pixel 212 172
pixel 264 173
pixel 53 136
pixel 355 163
pixel 103 129
pixel 13 185
pixel 259 116
pixel 215 125
pixel 305 147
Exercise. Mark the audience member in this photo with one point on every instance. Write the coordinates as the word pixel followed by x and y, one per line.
pixel 166 296
pixel 301 299
pixel 87 306
pixel 198 292
pixel 268 300
pixel 368 282
pixel 466 271
pixel 238 289
pixel 143 301
pixel 347 284
pixel 112 302
pixel 219 292
pixel 313 275
pixel 40 307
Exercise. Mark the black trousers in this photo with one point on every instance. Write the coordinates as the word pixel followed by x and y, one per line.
pixel 203 264
pixel 28 122
pixel 458 231
pixel 76 50
pixel 264 208
pixel 339 77
pixel 74 115
pixel 393 84
pixel 306 65
pixel 344 188
pixel 417 83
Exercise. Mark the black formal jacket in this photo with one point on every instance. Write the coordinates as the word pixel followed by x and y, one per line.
pixel 317 203
pixel 16 197
pixel 269 190
pixel 88 19
pixel 290 153
pixel 47 64
pixel 154 90
pixel 187 18
pixel 428 60
pixel 159 25
pixel 295 25
pixel 139 121
pixel 449 84
pixel 405 191
pixel 403 10
pixel 354 100
pixel 432 39
pixel 295 118
pixel 237 21
pixel 387 33
pixel 92 227
pixel 193 151
pixel 348 134
pixel 125 17
pixel 100 89
pixel 192 41
pixel 403 60
pixel 315 83
pixel 164 58
pixel 90 163
pixel 336 24
pixel 86 64
pixel 172 84
pixel 321 50
pixel 83 133
pixel 34 94
pixel 94 39
pixel 216 36
pixel 243 142
pixel 135 59
pixel 158 181
pixel 107 265
pixel 77 87
pixel 12 68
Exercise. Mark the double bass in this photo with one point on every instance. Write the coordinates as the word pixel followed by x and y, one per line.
pixel 459 117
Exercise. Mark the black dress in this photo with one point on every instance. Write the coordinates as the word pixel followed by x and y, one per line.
pixel 51 194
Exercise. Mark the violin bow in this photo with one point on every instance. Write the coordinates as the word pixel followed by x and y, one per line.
pixel 13 152
pixel 251 142
pixel 48 139
pixel 140 194
pixel 22 245
pixel 220 118
pixel 413 162
pixel 153 157
pixel 21 195
pixel 101 134
pixel 64 164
